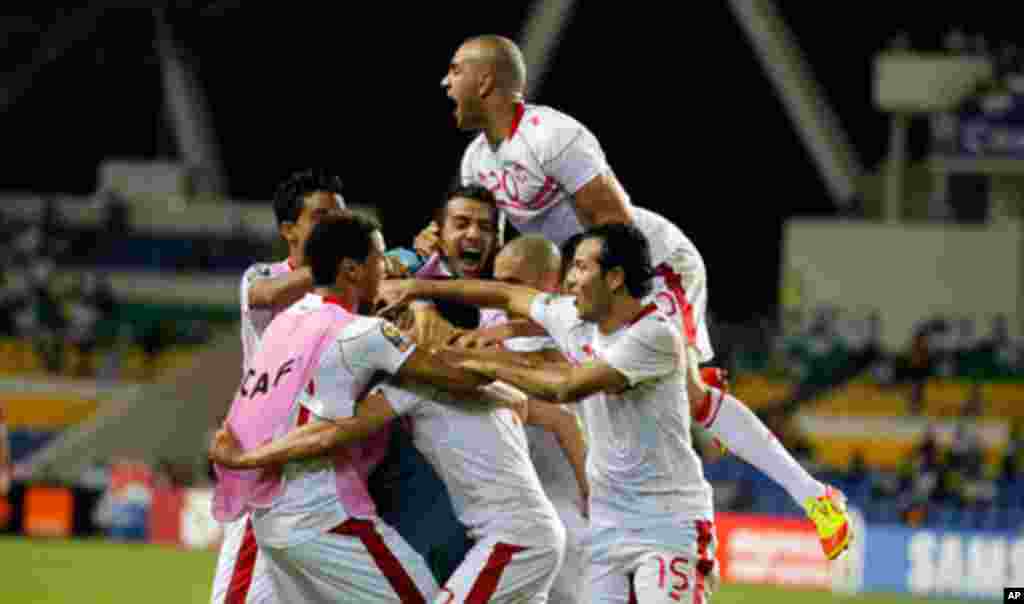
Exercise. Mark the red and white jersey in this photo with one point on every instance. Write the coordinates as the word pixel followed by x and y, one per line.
pixel 255 320
pixel 309 504
pixel 484 460
pixel 534 174
pixel 642 467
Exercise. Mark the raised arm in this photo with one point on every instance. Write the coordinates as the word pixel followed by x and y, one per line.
pixel 312 440
pixel 515 299
pixel 282 290
pixel 550 382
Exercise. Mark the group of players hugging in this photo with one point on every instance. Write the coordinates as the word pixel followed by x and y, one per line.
pixel 471 421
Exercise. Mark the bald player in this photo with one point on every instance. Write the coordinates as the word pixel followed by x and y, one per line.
pixel 534 261
pixel 550 176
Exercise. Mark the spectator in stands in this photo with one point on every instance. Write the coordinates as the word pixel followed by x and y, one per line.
pixel 967 466
pixel 917 369
pixel 90 303
pixel 1013 459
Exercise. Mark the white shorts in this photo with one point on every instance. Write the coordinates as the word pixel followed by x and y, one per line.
pixel 359 561
pixel 687 304
pixel 568 583
pixel 663 565
pixel 241 576
pixel 501 573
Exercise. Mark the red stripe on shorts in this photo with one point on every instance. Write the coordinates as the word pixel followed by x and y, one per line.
pixel 245 563
pixel 632 588
pixel 385 560
pixel 675 284
pixel 705 564
pixel 487 582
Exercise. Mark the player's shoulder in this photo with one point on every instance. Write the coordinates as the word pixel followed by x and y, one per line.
pixel 264 270
pixel 655 330
pixel 259 270
pixel 475 147
pixel 362 326
pixel 541 118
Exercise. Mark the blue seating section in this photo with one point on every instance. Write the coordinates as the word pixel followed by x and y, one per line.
pixel 1005 513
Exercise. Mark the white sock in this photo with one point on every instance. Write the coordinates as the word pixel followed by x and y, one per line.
pixel 744 434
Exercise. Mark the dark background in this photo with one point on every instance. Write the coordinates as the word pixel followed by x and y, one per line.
pixel 689 122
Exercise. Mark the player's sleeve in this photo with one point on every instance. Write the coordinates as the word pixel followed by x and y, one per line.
pixel 403 401
pixel 466 174
pixel 648 350
pixel 557 315
pixel 374 344
pixel 575 157
pixel 252 274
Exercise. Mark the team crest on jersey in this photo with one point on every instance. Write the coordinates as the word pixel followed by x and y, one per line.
pixel 391 333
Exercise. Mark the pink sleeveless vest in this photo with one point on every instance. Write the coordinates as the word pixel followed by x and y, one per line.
pixel 288 357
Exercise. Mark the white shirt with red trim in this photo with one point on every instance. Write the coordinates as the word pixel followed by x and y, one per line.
pixel 534 174
pixel 484 460
pixel 255 320
pixel 642 467
pixel 309 503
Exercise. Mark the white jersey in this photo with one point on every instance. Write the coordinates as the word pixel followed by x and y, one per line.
pixel 309 503
pixel 483 458
pixel 549 460
pixel 256 320
pixel 534 174
pixel 642 467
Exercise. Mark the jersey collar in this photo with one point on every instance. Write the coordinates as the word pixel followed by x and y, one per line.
pixel 643 313
pixel 520 110
pixel 338 301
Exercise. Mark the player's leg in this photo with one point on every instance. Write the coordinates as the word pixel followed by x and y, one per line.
pixel 359 561
pixel 241 576
pixel 680 290
pixel 681 570
pixel 498 572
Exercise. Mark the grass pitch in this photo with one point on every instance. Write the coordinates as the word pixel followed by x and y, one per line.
pixel 101 572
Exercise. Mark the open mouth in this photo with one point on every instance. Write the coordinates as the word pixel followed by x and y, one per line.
pixel 472 259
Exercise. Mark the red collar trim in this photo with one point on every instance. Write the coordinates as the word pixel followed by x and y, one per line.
pixel 643 313
pixel 338 301
pixel 520 110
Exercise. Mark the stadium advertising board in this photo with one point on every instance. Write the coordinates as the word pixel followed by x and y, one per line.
pixel 940 563
pixel 769 550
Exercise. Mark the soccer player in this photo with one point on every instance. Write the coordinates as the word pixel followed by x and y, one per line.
pixel 535 262
pixel 550 176
pixel 300 202
pixel 651 534
pixel 315 520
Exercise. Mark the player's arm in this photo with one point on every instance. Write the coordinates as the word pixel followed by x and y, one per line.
pixel 492 336
pixel 282 290
pixel 603 201
pixel 315 439
pixel 564 424
pixel 552 383
pixel 515 299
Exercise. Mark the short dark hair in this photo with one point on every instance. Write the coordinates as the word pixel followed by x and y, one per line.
pixel 474 192
pixel 568 250
pixel 291 194
pixel 624 246
pixel 337 236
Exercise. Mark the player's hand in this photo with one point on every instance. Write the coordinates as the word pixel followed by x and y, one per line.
pixel 396 269
pixel 428 241
pixel 393 293
pixel 225 448
pixel 481 338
